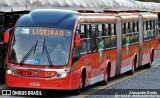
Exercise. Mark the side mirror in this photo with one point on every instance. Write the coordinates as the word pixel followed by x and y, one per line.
pixel 77 40
pixel 6 36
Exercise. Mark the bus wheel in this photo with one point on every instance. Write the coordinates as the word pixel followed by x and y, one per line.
pixel 105 81
pixel 150 63
pixel 131 72
pixel 81 85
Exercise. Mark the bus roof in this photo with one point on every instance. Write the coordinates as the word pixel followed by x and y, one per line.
pixel 49 18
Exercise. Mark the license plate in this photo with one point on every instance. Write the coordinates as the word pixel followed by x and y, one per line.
pixel 25 72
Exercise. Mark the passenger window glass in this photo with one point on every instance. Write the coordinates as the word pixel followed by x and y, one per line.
pixel 107 38
pixel 82 31
pixel 123 34
pixel 85 35
pixel 127 28
pixel 88 35
pixel 106 29
pixel 112 29
pixel 113 36
pixel 93 45
pixel 100 30
pixel 136 37
pixel 136 34
pixel 100 44
pixel 145 30
pixel 88 38
pixel 130 27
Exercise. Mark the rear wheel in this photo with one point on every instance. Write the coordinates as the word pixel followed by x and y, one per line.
pixel 133 67
pixel 150 63
pixel 132 71
pixel 105 81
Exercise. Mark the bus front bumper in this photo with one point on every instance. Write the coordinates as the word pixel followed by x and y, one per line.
pixel 38 83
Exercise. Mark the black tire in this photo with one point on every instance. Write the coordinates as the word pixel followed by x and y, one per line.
pixel 81 86
pixel 131 72
pixel 104 82
pixel 150 63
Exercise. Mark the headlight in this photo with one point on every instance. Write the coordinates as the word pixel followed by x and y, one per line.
pixel 9 72
pixel 62 75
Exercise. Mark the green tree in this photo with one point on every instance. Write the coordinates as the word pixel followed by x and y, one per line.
pixel 158 1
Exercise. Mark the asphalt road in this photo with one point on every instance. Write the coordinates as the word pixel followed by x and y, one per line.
pixel 147 81
pixel 143 79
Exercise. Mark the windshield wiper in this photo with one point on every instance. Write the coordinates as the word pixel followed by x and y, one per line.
pixel 29 53
pixel 46 50
pixel 35 47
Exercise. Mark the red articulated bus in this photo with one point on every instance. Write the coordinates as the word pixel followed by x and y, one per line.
pixel 68 50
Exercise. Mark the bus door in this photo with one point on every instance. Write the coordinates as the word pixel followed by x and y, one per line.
pixel 93 55
pixel 85 47
pixel 101 65
pixel 127 38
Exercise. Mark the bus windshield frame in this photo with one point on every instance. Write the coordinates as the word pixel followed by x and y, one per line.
pixel 40 46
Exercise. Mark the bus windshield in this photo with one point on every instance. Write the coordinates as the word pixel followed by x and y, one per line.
pixel 40 46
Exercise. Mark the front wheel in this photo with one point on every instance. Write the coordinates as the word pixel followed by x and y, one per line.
pixel 81 85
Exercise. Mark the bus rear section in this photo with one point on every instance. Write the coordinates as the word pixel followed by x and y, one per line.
pixel 150 36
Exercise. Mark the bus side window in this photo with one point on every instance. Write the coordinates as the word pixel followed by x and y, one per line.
pixel 107 39
pixel 93 38
pixel 157 29
pixel 131 34
pixel 99 30
pixel 144 31
pixel 76 51
pixel 124 34
pixel 100 45
pixel 88 37
pixel 151 29
pixel 136 36
pixel 130 27
pixel 127 35
pixel 148 29
pixel 127 28
pixel 134 27
pixel 83 45
pixel 82 31
pixel 154 28
pixel 113 35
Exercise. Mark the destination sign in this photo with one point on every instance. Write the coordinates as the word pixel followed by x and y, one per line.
pixel 43 31
pixel 48 32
